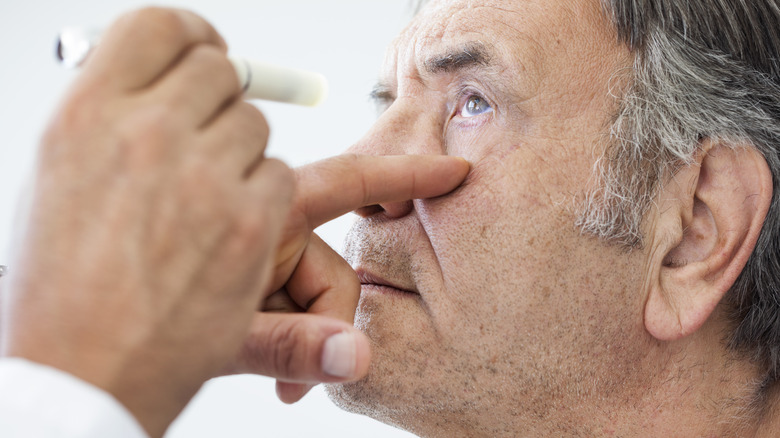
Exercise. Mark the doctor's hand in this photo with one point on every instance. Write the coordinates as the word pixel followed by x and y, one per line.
pixel 154 220
pixel 304 334
pixel 157 229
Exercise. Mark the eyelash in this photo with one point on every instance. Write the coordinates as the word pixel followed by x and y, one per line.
pixel 462 98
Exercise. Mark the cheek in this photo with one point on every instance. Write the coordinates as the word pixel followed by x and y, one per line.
pixel 483 137
pixel 495 239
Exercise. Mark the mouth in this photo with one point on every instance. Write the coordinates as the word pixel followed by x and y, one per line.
pixel 370 282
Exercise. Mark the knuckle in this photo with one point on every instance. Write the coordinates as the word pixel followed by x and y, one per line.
pixel 290 350
pixel 162 17
pixel 213 58
pixel 222 69
pixel 284 179
pixel 252 118
pixel 210 62
pixel 282 171
pixel 247 125
pixel 136 17
pixel 164 25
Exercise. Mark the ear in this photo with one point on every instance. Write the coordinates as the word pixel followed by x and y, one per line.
pixel 705 227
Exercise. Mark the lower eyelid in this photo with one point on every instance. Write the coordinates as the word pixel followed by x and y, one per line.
pixel 471 122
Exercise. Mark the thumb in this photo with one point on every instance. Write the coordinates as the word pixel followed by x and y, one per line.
pixel 303 348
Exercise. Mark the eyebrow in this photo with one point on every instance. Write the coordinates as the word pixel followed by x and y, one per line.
pixel 471 55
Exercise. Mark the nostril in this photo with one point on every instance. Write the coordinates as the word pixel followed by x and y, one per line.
pixel 395 210
pixel 392 210
pixel 369 210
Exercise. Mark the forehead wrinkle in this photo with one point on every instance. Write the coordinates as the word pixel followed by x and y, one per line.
pixel 449 35
pixel 477 31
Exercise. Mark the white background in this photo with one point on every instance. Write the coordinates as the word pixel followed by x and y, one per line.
pixel 343 39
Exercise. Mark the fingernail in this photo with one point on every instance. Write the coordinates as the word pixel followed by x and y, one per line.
pixel 339 355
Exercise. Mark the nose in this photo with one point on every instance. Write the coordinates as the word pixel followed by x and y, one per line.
pixel 404 128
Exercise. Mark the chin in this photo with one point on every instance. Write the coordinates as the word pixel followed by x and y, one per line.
pixel 409 383
pixel 392 389
pixel 360 398
pixel 352 397
pixel 363 398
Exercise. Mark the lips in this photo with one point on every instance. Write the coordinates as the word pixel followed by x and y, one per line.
pixel 371 280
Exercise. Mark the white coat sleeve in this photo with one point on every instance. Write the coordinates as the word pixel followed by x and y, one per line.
pixel 40 401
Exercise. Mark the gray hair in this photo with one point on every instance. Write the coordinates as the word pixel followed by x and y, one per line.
pixel 702 69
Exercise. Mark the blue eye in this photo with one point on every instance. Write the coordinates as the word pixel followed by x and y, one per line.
pixel 474 106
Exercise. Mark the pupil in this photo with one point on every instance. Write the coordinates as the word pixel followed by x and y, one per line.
pixel 474 104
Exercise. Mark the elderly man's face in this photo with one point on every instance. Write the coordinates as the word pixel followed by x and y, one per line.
pixel 488 302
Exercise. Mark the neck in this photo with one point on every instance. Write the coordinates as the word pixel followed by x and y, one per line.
pixel 700 390
pixel 691 393
pixel 768 423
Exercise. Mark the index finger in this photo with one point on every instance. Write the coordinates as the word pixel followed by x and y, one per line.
pixel 332 187
pixel 141 45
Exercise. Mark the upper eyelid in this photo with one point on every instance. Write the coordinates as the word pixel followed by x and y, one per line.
pixel 468 91
pixel 383 96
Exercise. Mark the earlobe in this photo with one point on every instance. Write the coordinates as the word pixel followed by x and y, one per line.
pixel 707 222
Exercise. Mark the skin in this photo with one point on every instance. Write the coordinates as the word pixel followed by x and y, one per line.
pixel 175 230
pixel 157 230
pixel 489 313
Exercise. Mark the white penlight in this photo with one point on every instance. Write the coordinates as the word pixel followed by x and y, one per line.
pixel 260 80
